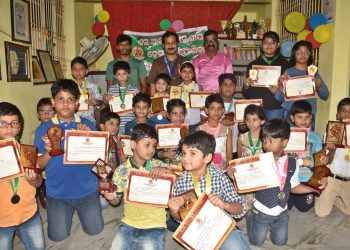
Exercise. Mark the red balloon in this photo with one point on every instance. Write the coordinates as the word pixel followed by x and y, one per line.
pixel 307 27
pixel 98 29
pixel 310 38
pixel 171 29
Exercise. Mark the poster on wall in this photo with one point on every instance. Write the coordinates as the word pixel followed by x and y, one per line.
pixel 147 46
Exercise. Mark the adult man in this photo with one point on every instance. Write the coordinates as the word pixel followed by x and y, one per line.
pixel 169 63
pixel 210 65
pixel 138 71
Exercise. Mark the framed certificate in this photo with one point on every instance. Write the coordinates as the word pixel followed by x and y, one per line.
pixel 84 102
pixel 118 107
pixel 347 134
pixel 205 227
pixel 10 163
pixel 197 99
pixel 85 147
pixel 159 104
pixel 142 189
pixel 297 140
pixel 169 135
pixel 29 156
pixel 299 88
pixel 335 133
pixel 267 75
pixel 126 139
pixel 240 105
pixel 255 173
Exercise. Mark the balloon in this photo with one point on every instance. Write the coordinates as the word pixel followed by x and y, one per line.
pixel 98 29
pixel 286 48
pixel 96 18
pixel 310 38
pixel 302 35
pixel 317 20
pixel 323 33
pixel 294 22
pixel 178 25
pixel 103 16
pixel 164 24
pixel 307 27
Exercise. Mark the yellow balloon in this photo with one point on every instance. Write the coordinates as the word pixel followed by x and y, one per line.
pixel 323 33
pixel 294 22
pixel 302 35
pixel 103 16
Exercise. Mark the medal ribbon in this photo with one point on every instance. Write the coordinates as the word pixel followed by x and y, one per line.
pixel 217 130
pixel 146 165
pixel 167 64
pixel 282 176
pixel 14 186
pixel 196 184
pixel 253 148
pixel 230 106
pixel 186 93
pixel 269 62
pixel 122 96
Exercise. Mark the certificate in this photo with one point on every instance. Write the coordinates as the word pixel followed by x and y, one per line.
pixel 255 173
pixel 205 227
pixel 267 75
pixel 335 133
pixel 197 99
pixel 297 140
pixel 10 164
pixel 117 106
pixel 84 102
pixel 85 147
pixel 126 139
pixel 169 135
pixel 159 104
pixel 29 157
pixel 240 105
pixel 299 88
pixel 347 134
pixel 142 189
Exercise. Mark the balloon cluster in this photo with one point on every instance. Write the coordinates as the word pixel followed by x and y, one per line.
pixel 313 30
pixel 98 28
pixel 176 26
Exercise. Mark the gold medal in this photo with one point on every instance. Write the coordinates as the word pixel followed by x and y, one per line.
pixel 101 169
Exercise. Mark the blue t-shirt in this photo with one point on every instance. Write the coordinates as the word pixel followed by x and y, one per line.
pixel 66 181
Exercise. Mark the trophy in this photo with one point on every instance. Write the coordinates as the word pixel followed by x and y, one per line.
pixel 55 134
pixel 184 131
pixel 29 157
pixel 223 24
pixel 335 133
pixel 102 170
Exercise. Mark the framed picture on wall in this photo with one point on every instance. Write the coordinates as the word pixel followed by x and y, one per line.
pixel 20 20
pixel 47 66
pixel 17 62
pixel 38 73
pixel 58 69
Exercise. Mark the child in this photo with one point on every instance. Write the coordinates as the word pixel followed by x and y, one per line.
pixel 141 106
pixel 162 83
pixel 197 153
pixel 270 211
pixel 214 108
pixel 121 70
pixel 142 227
pixel 69 187
pixel 80 70
pixel 337 191
pixel 18 207
pixel 301 115
pixel 188 77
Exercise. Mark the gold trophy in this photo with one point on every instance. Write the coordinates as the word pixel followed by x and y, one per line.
pixel 55 134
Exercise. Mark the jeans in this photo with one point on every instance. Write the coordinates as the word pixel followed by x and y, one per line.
pixel 273 114
pixel 31 234
pixel 259 223
pixel 235 241
pixel 60 213
pixel 130 238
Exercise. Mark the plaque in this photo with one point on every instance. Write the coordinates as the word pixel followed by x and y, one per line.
pixel 159 104
pixel 347 134
pixel 190 199
pixel 55 134
pixel 312 70
pixel 102 170
pixel 175 92
pixel 84 102
pixel 253 74
pixel 335 133
pixel 29 155
pixel 230 116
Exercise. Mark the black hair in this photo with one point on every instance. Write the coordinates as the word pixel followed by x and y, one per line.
pixel 122 38
pixel 189 65
pixel 79 60
pixel 228 76
pixel 210 32
pixel 43 102
pixel 65 85
pixel 170 33
pixel 165 77
pixel 200 140
pixel 141 97
pixel 274 36
pixel 8 109
pixel 275 128
pixel 106 114
pixel 214 98
pixel 171 104
pixel 253 109
pixel 143 130
pixel 301 106
pixel 343 102
pixel 121 65
pixel 296 46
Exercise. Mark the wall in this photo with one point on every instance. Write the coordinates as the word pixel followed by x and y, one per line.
pixel 253 12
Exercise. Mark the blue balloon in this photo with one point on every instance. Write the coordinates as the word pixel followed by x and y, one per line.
pixel 96 18
pixel 317 20
pixel 286 48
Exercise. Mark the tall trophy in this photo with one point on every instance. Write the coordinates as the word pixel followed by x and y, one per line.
pixel 102 170
pixel 55 134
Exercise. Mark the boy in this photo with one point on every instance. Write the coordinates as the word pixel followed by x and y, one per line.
pixel 121 71
pixel 141 105
pixel 18 207
pixel 142 227
pixel 69 187
pixel 270 205
pixel 197 152
pixel 79 69
pixel 337 191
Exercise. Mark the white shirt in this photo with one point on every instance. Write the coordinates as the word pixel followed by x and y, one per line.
pixel 339 166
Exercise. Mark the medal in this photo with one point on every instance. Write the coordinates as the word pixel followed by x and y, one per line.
pixel 281 195
pixel 122 96
pixel 300 162
pixel 253 148
pixel 101 169
pixel 122 106
pixel 15 198
pixel 159 117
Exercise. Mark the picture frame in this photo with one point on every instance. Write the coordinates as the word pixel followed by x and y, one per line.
pixel 47 65
pixel 38 73
pixel 17 62
pixel 20 21
pixel 58 70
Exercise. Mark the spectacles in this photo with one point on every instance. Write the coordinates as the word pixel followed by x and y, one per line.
pixel 61 100
pixel 14 124
pixel 302 53
pixel 46 112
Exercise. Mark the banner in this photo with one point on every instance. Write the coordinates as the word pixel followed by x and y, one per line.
pixel 148 46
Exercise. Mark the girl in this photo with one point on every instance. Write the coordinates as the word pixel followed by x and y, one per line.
pixel 162 84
